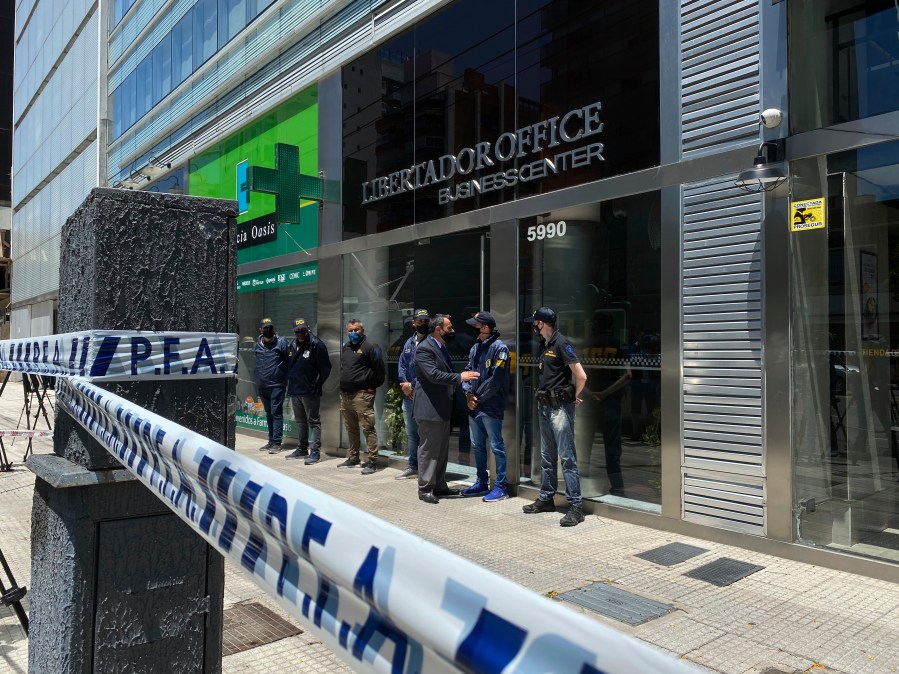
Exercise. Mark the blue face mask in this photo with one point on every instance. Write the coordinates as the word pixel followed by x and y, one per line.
pixel 354 337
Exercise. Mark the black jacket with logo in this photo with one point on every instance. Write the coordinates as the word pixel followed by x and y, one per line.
pixel 361 366
pixel 308 366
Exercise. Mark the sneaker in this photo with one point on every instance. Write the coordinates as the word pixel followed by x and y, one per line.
pixel 539 506
pixel 573 517
pixel 297 454
pixel 275 449
pixel 267 445
pixel 349 463
pixel 369 468
pixel 314 457
pixel 477 489
pixel 496 494
pixel 406 474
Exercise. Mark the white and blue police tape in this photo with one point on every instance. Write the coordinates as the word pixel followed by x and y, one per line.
pixel 106 355
pixel 383 599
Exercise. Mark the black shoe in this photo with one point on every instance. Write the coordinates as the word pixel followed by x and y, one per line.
pixel 540 506
pixel 427 497
pixel 349 463
pixel 314 457
pixel 369 468
pixel 446 492
pixel 275 449
pixel 618 491
pixel 267 445
pixel 573 517
pixel 297 454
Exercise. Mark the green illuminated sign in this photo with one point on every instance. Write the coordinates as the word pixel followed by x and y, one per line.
pixel 286 182
pixel 278 278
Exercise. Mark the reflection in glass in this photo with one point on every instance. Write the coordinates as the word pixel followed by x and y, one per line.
pixel 846 354
pixel 382 287
pixel 598 266
pixel 844 61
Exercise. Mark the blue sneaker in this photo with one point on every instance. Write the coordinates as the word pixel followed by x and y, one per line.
pixel 477 489
pixel 496 494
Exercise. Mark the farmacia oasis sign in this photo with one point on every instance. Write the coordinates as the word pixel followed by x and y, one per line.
pixel 529 140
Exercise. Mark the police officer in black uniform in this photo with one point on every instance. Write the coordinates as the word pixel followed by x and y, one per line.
pixel 562 378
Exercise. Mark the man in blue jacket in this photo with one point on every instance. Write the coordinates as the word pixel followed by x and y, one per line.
pixel 420 320
pixel 486 395
pixel 308 366
pixel 271 379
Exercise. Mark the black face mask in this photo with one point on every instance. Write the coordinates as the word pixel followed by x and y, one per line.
pixel 421 329
pixel 537 331
pixel 449 336
pixel 302 335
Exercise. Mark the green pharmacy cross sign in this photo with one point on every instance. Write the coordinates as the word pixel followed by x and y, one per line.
pixel 284 181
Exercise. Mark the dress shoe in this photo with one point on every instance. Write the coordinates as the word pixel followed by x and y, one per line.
pixel 446 492
pixel 427 497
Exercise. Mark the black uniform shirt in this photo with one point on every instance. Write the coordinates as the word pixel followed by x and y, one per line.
pixel 555 359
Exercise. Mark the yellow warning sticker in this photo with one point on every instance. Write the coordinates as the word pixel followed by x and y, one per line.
pixel 808 214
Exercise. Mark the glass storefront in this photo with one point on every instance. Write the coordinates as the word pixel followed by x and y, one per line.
pixel 845 295
pixel 844 61
pixel 598 266
pixel 382 287
pixel 458 114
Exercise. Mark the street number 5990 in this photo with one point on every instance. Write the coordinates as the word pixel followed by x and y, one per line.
pixel 548 231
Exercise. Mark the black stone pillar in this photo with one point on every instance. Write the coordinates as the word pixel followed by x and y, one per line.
pixel 119 583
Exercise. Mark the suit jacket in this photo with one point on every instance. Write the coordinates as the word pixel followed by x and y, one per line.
pixel 433 400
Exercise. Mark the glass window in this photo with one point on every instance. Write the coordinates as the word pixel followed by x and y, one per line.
pixel 598 266
pixel 461 115
pixel 182 50
pixel 846 351
pixel 162 69
pixel 129 101
pixel 256 7
pixel 383 286
pixel 844 61
pixel 144 87
pixel 232 19
pixel 282 305
pixel 205 31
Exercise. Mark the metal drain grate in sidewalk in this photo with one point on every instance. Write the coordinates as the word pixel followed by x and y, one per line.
pixel 671 554
pixel 250 625
pixel 613 602
pixel 724 571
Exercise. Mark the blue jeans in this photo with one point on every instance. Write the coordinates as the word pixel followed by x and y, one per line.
pixel 411 433
pixel 483 427
pixel 273 402
pixel 557 441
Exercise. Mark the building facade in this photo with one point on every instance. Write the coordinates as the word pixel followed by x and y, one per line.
pixel 509 155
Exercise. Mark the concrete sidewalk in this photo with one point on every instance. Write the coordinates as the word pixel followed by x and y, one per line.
pixel 787 617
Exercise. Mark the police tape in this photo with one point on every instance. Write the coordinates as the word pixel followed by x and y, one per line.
pixel 106 355
pixel 381 598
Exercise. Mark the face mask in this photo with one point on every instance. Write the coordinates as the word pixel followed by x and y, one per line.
pixel 421 329
pixel 354 337
pixel 302 335
pixel 537 331
pixel 449 336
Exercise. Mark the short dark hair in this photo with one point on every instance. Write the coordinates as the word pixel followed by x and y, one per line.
pixel 437 320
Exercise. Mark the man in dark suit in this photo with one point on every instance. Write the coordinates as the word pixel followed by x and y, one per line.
pixel 432 407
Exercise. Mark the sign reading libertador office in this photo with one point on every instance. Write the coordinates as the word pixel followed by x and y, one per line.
pixel 541 137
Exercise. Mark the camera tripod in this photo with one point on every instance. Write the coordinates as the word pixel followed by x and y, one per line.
pixel 13 596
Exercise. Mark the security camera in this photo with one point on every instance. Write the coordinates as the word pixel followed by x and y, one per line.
pixel 772 118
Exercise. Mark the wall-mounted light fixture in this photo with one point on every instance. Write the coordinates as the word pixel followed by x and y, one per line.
pixel 764 175
pixel 154 169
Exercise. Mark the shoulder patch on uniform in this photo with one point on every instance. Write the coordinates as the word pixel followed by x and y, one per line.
pixel 569 350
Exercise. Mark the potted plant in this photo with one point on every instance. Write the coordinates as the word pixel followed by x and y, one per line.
pixel 394 420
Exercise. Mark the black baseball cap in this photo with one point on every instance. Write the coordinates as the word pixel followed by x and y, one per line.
pixel 267 323
pixel 300 324
pixel 544 314
pixel 484 318
pixel 421 315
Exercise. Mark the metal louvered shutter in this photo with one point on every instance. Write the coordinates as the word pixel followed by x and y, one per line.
pixel 723 459
pixel 720 78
